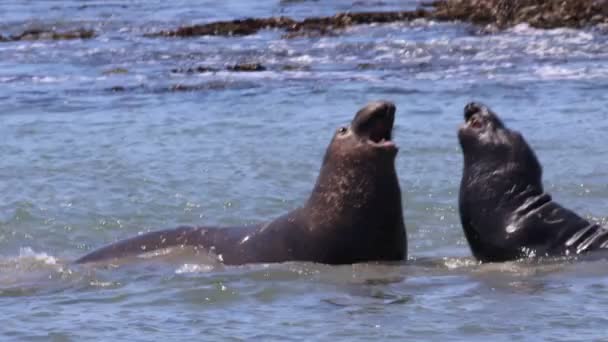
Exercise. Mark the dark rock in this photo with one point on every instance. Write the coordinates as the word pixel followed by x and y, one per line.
pixel 198 69
pixel 220 85
pixel 366 66
pixel 182 87
pixel 498 13
pixel 329 25
pixel 40 34
pixel 476 12
pixel 290 67
pixel 228 28
pixel 342 20
pixel 117 89
pixel 537 13
pixel 246 67
pixel 309 33
pixel 115 71
pixel 320 25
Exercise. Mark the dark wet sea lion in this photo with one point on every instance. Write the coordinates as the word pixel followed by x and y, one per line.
pixel 353 214
pixel 504 210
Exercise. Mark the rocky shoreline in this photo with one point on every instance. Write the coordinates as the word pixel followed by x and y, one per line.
pixel 496 14
pixel 51 34
pixel 242 67
pixel 500 14
pixel 543 14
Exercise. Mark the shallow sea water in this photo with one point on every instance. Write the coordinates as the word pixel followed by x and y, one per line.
pixel 98 142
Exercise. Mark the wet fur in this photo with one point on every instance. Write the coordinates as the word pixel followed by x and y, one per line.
pixel 353 214
pixel 504 210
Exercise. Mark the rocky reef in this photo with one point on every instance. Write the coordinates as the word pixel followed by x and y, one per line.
pixel 309 26
pixel 240 67
pixel 497 13
pixel 228 28
pixel 49 34
pixel 544 14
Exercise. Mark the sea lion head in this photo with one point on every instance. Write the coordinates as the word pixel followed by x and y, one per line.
pixel 368 135
pixel 483 132
pixel 488 145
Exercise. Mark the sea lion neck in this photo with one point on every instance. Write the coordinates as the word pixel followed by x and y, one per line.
pixel 348 180
pixel 508 168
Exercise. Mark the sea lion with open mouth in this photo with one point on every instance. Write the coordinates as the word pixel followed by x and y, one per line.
pixel 504 210
pixel 353 214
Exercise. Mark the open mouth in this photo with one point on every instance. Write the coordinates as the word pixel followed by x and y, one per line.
pixel 373 124
pixel 380 133
pixel 475 122
pixel 473 115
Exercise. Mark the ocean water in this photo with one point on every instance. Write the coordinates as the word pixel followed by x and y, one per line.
pixel 100 140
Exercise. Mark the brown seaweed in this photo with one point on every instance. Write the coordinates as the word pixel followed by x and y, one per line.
pixel 241 67
pixel 498 13
pixel 43 34
pixel 322 25
pixel 537 13
pixel 239 27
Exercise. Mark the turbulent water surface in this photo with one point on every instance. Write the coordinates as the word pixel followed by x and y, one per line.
pixel 104 138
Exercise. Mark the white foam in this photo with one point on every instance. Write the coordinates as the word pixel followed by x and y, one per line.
pixel 48 79
pixel 193 268
pixel 454 263
pixel 7 79
pixel 523 28
pixel 553 72
pixel 306 59
pixel 28 253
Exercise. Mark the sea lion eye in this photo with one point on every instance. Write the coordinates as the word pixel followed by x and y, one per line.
pixel 342 130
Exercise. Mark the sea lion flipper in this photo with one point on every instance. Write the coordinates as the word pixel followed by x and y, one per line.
pixel 150 241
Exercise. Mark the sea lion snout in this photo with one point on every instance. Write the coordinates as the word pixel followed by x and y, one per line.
pixel 480 117
pixel 376 109
pixel 374 112
pixel 473 108
pixel 373 124
pixel 381 108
